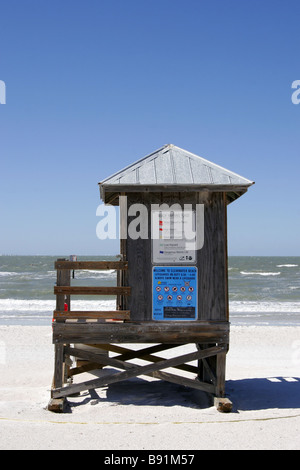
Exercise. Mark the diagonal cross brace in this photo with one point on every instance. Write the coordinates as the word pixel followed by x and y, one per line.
pixel 146 354
pixel 132 372
pixel 119 362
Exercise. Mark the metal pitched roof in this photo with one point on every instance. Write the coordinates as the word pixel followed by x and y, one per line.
pixel 171 166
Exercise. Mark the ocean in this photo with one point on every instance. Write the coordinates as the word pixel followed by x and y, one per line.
pixel 262 290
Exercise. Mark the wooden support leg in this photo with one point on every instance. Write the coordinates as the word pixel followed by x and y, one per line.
pixel 207 366
pixel 212 370
pixel 220 374
pixel 222 404
pixel 57 404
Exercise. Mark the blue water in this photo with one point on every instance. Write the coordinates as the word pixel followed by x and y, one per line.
pixel 262 290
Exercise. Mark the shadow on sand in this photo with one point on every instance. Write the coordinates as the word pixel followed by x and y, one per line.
pixel 246 394
pixel 264 393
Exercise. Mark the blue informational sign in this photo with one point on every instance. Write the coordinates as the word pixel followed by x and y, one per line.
pixel 174 293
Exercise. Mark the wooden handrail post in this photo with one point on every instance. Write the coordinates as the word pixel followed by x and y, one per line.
pixel 63 279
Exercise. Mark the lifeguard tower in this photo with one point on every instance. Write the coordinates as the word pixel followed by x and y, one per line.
pixel 172 286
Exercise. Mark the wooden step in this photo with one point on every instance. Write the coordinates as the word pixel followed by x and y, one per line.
pixel 88 290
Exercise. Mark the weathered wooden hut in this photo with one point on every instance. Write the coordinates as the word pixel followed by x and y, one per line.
pixel 172 284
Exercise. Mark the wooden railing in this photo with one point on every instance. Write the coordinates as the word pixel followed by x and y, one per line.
pixel 63 290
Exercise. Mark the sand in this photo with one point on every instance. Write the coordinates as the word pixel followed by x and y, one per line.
pixel 263 382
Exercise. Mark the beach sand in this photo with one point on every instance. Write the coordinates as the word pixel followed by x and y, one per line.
pixel 263 382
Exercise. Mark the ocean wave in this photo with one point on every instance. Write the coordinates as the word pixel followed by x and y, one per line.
pixel 22 305
pixel 259 273
pixel 30 306
pixel 237 306
pixel 8 274
pixel 39 276
pixel 28 275
pixel 90 274
pixel 287 265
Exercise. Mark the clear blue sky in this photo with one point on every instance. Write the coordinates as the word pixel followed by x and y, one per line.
pixel 94 85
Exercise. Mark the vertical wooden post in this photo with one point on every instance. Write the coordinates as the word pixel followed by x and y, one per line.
pixel 220 373
pixel 57 405
pixel 122 276
pixel 58 366
pixel 226 257
pixel 63 279
pixel 207 367
pixel 222 404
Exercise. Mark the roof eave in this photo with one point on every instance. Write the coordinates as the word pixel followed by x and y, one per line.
pixel 233 190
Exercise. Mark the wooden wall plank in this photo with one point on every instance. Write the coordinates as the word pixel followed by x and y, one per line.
pixel 212 286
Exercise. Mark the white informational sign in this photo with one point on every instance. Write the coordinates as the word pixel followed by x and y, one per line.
pixel 173 237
